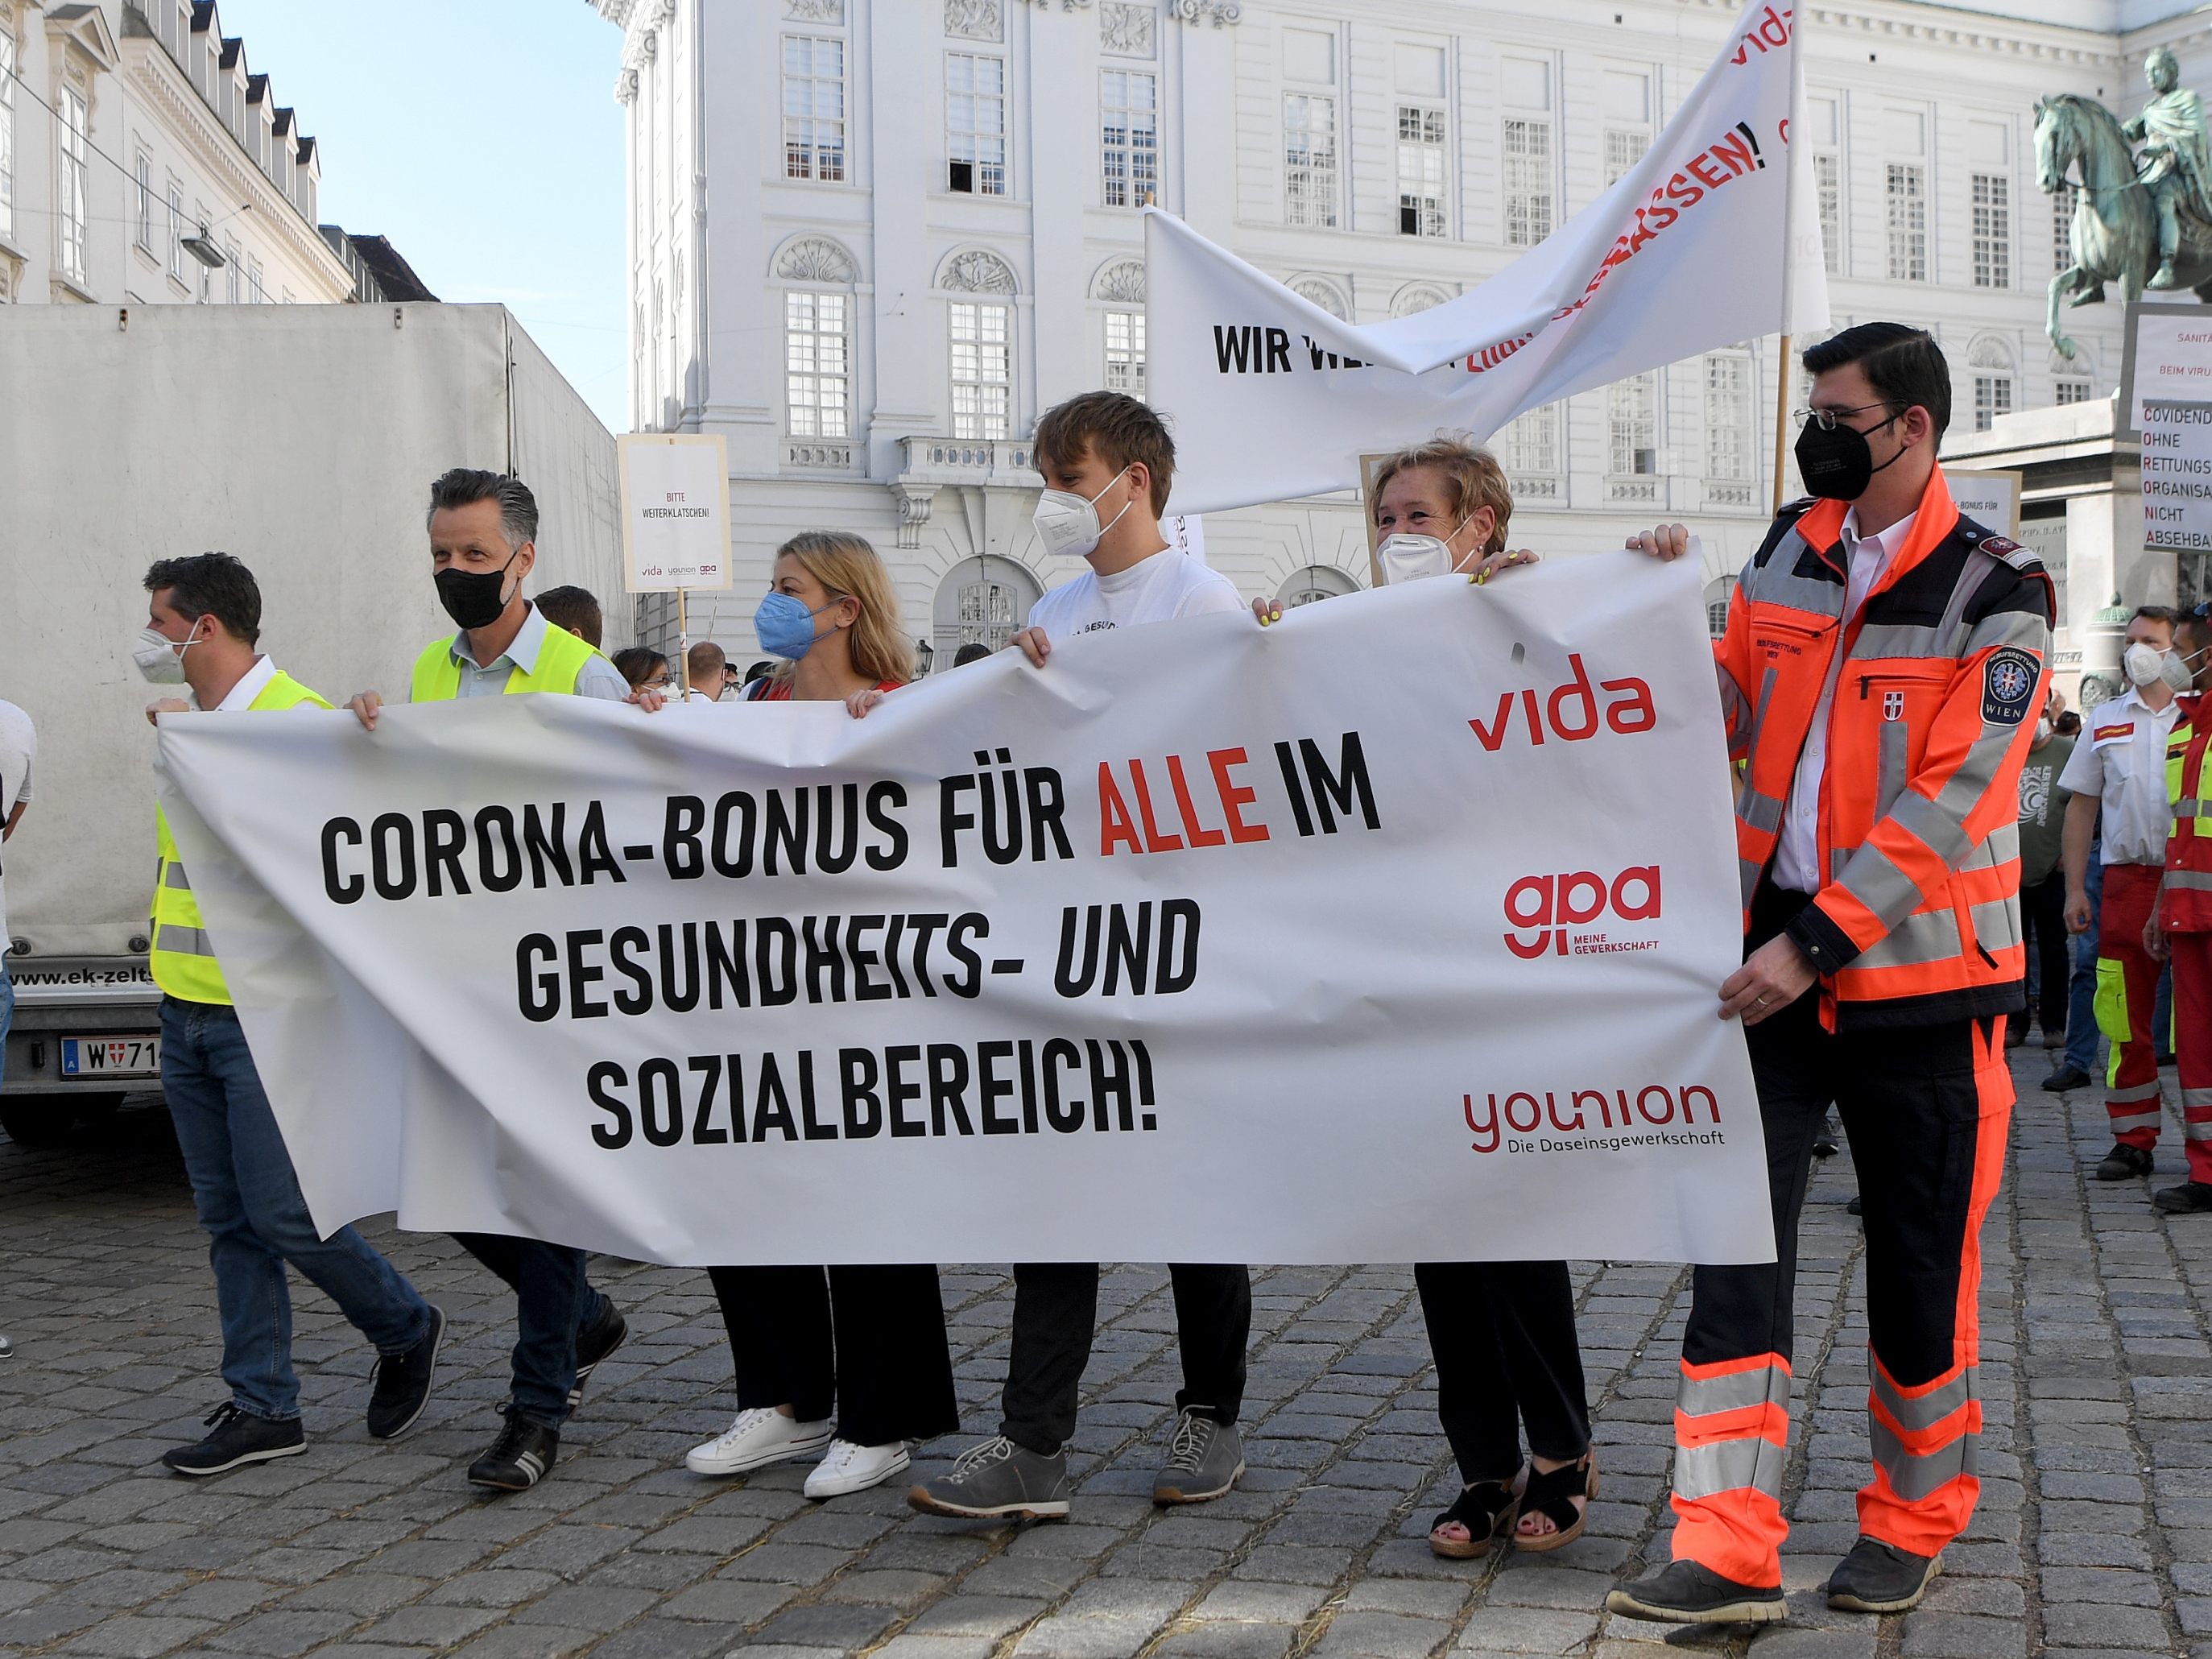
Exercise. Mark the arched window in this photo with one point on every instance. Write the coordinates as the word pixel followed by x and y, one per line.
pixel 981 601
pixel 1324 293
pixel 1717 605
pixel 817 338
pixel 1991 363
pixel 1121 286
pixel 981 322
pixel 1313 583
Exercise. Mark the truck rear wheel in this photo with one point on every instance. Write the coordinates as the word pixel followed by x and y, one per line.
pixel 46 1120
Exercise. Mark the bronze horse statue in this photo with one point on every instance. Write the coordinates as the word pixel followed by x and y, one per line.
pixel 2114 236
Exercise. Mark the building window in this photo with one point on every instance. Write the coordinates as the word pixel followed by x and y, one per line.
pixel 1124 352
pixel 253 282
pixel 1828 190
pixel 2072 392
pixel 1908 223
pixel 1992 397
pixel 7 130
pixel 1309 159
pixel 1622 150
pixel 204 278
pixel 1717 594
pixel 1528 185
pixel 981 601
pixel 176 233
pixel 1992 230
pixel 143 218
pixel 1129 137
pixel 982 370
pixel 1632 426
pixel 813 108
pixel 817 366
pixel 1727 417
pixel 975 123
pixel 1530 443
pixel 1314 584
pixel 1420 170
pixel 2062 229
pixel 74 211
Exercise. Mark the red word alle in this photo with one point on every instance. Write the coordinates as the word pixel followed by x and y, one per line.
pixel 1570 713
pixel 1138 818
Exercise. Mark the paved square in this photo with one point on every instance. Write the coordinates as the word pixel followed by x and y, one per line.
pixel 2094 1531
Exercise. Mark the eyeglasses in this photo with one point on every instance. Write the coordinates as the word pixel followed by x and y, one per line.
pixel 1826 419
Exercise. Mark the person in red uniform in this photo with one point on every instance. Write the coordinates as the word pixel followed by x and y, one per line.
pixel 2180 926
pixel 1880 679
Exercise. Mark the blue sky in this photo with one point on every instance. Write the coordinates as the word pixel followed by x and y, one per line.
pixel 483 137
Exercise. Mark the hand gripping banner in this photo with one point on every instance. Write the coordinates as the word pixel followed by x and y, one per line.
pixel 1273 397
pixel 1391 932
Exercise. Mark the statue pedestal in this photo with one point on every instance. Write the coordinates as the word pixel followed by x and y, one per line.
pixel 2081 511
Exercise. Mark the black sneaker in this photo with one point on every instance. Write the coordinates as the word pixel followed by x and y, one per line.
pixel 238 1437
pixel 1684 1592
pixel 2125 1163
pixel 403 1383
pixel 594 1342
pixel 2064 1078
pixel 1857 1206
pixel 522 1456
pixel 2190 1198
pixel 1878 1578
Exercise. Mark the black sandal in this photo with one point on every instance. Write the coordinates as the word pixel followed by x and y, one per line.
pixel 1549 1495
pixel 1488 1510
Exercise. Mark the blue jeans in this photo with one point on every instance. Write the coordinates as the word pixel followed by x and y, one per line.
pixel 553 1301
pixel 256 1220
pixel 2082 1033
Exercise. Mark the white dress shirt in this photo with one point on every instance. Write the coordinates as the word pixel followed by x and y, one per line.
pixel 597 678
pixel 1797 853
pixel 2120 758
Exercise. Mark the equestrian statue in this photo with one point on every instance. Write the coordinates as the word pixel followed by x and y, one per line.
pixel 2145 221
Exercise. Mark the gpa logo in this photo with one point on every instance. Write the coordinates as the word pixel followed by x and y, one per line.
pixel 1541 909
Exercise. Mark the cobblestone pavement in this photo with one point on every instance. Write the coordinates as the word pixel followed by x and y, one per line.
pixel 2094 1532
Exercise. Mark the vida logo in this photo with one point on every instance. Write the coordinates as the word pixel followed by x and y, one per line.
pixel 1544 907
pixel 1571 711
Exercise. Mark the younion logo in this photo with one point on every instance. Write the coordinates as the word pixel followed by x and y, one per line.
pixel 1541 909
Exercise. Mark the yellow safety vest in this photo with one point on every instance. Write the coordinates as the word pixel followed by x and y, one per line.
pixel 560 661
pixel 182 960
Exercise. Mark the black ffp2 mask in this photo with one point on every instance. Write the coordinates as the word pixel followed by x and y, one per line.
pixel 473 599
pixel 1836 463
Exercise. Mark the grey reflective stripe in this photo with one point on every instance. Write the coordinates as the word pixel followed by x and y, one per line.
pixel 1778 583
pixel 2190 807
pixel 1762 812
pixel 2021 627
pixel 1762 1385
pixel 182 941
pixel 1766 683
pixel 1929 936
pixel 1935 830
pixel 1966 785
pixel 2124 1120
pixel 1889 641
pixel 1923 1412
pixel 1728 1465
pixel 1747 872
pixel 1917 1478
pixel 175 878
pixel 1889 766
pixel 2196 1097
pixel 1879 884
pixel 1838 858
pixel 2199 880
pixel 1976 568
pixel 2002 847
pixel 2135 1091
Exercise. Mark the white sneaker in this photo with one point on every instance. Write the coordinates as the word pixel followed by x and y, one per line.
pixel 847 1468
pixel 759 1437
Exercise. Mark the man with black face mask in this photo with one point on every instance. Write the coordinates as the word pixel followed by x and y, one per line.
pixel 1880 679
pixel 483 541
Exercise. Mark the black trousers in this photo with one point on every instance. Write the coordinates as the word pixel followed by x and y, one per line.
pixel 2043 914
pixel 867 1341
pixel 1503 1336
pixel 1055 1312
pixel 553 1300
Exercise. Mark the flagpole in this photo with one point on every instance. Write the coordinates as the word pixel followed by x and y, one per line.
pixel 1789 245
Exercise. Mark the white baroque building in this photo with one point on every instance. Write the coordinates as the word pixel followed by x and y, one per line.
pixel 142 163
pixel 870 241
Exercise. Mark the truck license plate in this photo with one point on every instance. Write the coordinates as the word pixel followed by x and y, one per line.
pixel 111 1056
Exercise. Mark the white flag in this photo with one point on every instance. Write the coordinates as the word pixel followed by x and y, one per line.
pixel 1272 396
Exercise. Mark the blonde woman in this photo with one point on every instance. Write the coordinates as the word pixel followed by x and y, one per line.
pixel 868 1339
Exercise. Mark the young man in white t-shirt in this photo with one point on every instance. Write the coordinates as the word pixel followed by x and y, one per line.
pixel 1107 462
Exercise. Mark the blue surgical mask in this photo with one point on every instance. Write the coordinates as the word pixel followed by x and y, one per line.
pixel 785 627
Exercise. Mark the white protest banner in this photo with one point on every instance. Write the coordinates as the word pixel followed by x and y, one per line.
pixel 2168 355
pixel 675 511
pixel 1191 946
pixel 1274 398
pixel 2177 475
pixel 1988 495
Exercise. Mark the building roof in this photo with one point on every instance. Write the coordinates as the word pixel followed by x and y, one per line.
pixel 394 274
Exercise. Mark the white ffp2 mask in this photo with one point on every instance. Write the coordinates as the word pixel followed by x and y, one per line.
pixel 1067 524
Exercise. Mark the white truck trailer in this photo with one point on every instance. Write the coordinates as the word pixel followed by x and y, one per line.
pixel 303 440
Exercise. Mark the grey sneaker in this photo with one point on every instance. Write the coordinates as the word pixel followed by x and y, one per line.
pixel 1204 1459
pixel 998 1481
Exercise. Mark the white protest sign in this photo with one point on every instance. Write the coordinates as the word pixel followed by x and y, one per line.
pixel 1274 398
pixel 1989 497
pixel 675 511
pixel 2169 356
pixel 2177 475
pixel 1207 952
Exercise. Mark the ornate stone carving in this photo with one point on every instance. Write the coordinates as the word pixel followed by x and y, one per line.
pixel 626 87
pixel 816 11
pixel 915 503
pixel 1123 283
pixel 815 259
pixel 1126 29
pixel 1216 12
pixel 1064 5
pixel 1416 297
pixel 1323 294
pixel 976 20
pixel 976 272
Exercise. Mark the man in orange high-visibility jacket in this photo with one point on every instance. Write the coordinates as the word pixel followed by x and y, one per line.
pixel 2180 926
pixel 1879 676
